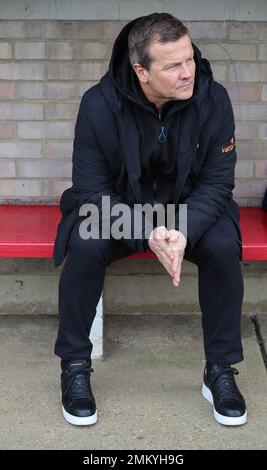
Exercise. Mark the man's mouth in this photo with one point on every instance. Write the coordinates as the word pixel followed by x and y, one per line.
pixel 188 84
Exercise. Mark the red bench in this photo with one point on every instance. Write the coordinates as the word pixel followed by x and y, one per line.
pixel 28 231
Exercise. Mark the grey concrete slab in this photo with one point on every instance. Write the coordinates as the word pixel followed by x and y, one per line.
pixel 147 389
pixel 30 286
pixel 126 9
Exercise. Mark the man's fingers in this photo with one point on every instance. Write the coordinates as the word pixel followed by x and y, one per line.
pixel 164 247
pixel 175 236
pixel 164 259
pixel 179 267
pixel 160 241
pixel 166 265
pixel 174 264
pixel 169 249
pixel 178 257
pixel 175 274
pixel 175 261
pixel 163 256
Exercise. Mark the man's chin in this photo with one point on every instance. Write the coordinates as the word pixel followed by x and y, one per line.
pixel 181 94
pixel 186 93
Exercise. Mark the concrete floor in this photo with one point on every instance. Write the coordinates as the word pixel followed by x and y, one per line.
pixel 147 388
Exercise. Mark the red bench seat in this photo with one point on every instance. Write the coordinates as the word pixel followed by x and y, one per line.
pixel 28 231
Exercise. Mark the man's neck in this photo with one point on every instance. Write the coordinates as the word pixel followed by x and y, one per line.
pixel 151 97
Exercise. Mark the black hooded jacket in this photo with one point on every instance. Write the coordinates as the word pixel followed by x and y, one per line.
pixel 124 148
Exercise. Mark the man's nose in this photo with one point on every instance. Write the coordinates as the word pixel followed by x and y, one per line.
pixel 185 72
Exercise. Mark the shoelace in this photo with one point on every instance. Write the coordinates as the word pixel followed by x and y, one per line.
pixel 79 384
pixel 224 383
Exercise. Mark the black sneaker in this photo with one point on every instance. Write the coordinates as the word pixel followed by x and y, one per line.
pixel 220 389
pixel 78 403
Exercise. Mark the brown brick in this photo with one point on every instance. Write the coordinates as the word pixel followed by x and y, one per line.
pixel 249 189
pixel 247 30
pixel 46 130
pixel 250 112
pixel 248 72
pixel 7 90
pixel 229 51
pixel 263 131
pixel 112 29
pixel 55 187
pixel 60 91
pixel 20 149
pixel 22 29
pixel 219 71
pixel 244 169
pixel 246 130
pixel 5 51
pixel 251 150
pixel 30 50
pixel 74 29
pixel 21 111
pixel 263 52
pixel 8 130
pixel 58 149
pixel 7 168
pixel 92 71
pixel 92 51
pixel 31 90
pixel 63 71
pixel 207 29
pixel 20 188
pixel 243 91
pixel 61 110
pixel 261 170
pixel 59 50
pixel 22 71
pixel 248 202
pixel 43 168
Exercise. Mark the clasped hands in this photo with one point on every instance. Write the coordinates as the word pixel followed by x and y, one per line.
pixel 169 247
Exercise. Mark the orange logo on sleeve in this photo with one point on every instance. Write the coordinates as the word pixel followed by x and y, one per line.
pixel 229 147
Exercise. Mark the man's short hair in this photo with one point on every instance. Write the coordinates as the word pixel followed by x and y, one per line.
pixel 162 27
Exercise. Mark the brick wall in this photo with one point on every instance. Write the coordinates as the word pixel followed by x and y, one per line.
pixel 45 66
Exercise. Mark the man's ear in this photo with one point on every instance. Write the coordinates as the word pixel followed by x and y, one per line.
pixel 141 73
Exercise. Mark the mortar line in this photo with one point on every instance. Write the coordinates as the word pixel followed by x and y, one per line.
pixel 260 341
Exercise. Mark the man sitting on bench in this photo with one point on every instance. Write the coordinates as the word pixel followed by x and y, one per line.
pixel 156 129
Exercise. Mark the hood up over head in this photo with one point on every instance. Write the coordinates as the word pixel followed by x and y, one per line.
pixel 123 77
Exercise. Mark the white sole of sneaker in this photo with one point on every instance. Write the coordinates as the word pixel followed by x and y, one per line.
pixel 79 421
pixel 226 420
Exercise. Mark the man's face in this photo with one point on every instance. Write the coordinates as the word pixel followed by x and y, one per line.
pixel 172 72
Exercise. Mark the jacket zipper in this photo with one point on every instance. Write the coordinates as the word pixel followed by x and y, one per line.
pixel 162 135
pixel 161 139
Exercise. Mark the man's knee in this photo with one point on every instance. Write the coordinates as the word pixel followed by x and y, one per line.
pixel 88 248
pixel 221 242
pixel 223 248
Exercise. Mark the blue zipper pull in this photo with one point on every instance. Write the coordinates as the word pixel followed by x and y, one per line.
pixel 162 135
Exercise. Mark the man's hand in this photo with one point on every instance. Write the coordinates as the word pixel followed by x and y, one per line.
pixel 169 246
pixel 177 243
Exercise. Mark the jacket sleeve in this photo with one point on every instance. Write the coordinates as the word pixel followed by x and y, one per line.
pixel 92 179
pixel 213 187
